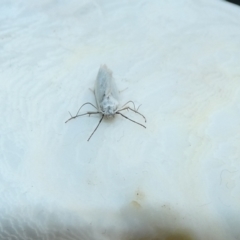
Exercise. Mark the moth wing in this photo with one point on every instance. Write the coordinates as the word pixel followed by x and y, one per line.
pixel 114 89
pixel 105 85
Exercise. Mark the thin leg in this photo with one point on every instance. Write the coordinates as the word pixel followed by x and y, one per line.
pixel 127 103
pixel 91 90
pixel 88 113
pixel 126 108
pixel 96 127
pixel 123 90
pixel 130 119
pixel 139 107
pixel 83 105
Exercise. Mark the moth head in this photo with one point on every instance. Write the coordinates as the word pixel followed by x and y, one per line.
pixel 109 106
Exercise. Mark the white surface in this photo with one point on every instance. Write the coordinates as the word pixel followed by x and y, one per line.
pixel 178 179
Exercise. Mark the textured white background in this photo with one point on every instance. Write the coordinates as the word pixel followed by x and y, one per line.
pixel 178 179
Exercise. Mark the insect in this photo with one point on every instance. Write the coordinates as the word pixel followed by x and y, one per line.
pixel 107 99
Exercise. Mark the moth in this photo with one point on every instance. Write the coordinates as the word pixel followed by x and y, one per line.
pixel 107 99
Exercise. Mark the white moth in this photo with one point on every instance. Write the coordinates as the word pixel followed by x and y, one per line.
pixel 107 99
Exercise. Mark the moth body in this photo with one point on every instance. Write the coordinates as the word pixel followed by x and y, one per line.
pixel 107 99
pixel 106 92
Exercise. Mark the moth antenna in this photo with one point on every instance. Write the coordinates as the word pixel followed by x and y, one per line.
pixel 126 108
pixel 96 127
pixel 130 119
pixel 90 113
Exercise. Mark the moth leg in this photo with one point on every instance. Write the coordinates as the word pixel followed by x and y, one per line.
pixel 130 119
pixel 85 104
pixel 139 107
pixel 123 90
pixel 92 90
pixel 129 102
pixel 96 127
pixel 87 113
pixel 126 108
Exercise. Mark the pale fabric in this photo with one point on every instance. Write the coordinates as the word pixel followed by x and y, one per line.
pixel 177 179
